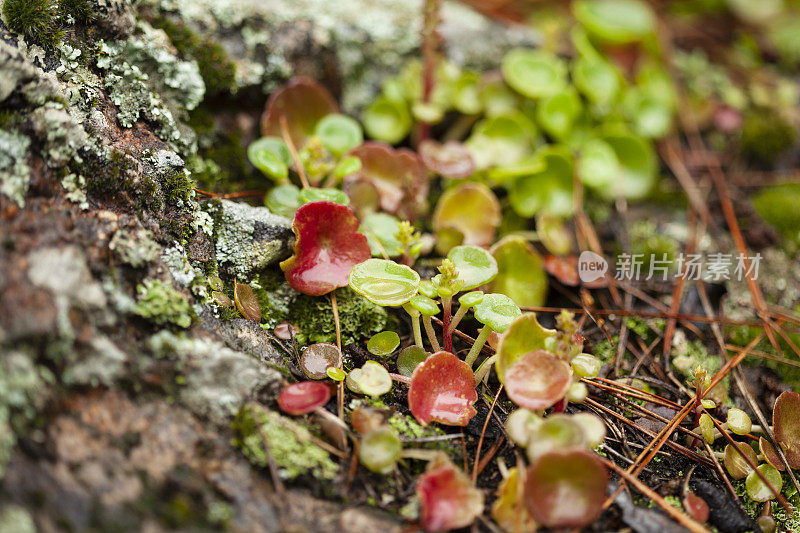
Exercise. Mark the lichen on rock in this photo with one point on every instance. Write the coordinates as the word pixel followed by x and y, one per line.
pixel 163 305
pixel 288 443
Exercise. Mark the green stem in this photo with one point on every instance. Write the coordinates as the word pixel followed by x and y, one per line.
pixel 431 333
pixel 484 369
pixel 462 311
pixel 478 346
pixel 417 332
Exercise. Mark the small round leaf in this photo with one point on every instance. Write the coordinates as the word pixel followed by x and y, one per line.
pixel 384 282
pixel 475 265
pixel 384 343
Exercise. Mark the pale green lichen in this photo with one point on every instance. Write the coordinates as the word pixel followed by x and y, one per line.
pixel 146 81
pixel 163 305
pixel 62 135
pixel 15 174
pixel 21 386
pixel 134 247
pixel 288 442
pixel 16 519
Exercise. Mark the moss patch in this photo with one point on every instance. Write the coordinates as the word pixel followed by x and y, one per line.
pixel 35 19
pixel 765 135
pixel 163 305
pixel 289 444
pixel 313 315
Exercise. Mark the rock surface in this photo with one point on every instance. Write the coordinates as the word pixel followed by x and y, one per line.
pixel 121 382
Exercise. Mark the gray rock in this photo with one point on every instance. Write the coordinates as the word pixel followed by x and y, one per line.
pixel 218 380
pixel 250 238
pixel 63 270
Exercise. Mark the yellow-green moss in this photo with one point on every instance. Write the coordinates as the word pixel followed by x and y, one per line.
pixel 163 305
pixel 35 19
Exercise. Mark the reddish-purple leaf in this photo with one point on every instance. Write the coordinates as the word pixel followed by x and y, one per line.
pixel 769 453
pixel 566 488
pixel 327 246
pixel 786 422
pixel 564 269
pixel 538 380
pixel 448 499
pixel 303 102
pixel 696 506
pixel 303 397
pixel 450 160
pixel 442 390
pixel 398 175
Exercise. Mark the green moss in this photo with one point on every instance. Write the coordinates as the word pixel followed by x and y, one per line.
pixel 216 67
pixel 79 10
pixel 161 304
pixel 654 246
pixel 313 315
pixel 765 135
pixel 178 187
pixel 35 19
pixel 289 444
pixel 221 164
pixel 778 206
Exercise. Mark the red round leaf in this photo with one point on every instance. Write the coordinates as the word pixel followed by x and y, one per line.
pixel 327 246
pixel 398 175
pixel 448 499
pixel 696 507
pixel 442 390
pixel 304 397
pixel 450 160
pixel 537 380
pixel 303 102
pixel 566 488
pixel 786 422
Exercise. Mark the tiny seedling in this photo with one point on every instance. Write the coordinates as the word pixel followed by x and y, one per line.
pixel 566 488
pixel 383 344
pixel 317 358
pixel 448 498
pixel 442 389
pixel 303 397
pixel 496 312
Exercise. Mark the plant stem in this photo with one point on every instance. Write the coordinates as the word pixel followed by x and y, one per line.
pixel 430 48
pixel 461 313
pixel 447 334
pixel 478 346
pixel 417 332
pixel 301 171
pixel 423 455
pixel 340 389
pixel 431 333
pixel 400 378
pixel 484 369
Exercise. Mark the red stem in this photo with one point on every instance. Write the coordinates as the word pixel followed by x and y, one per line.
pixel 447 335
pixel 560 406
pixel 400 378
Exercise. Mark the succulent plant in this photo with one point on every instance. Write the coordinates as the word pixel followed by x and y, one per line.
pixel 566 488
pixel 448 499
pixel 496 312
pixel 384 282
pixel 538 380
pixel 523 336
pixel 442 389
pixel 303 397
pixel 326 248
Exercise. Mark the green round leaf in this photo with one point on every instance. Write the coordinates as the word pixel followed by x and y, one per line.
pixel 757 489
pixel 497 311
pixel 524 335
pixel 380 449
pixel 384 282
pixel 548 191
pixel 503 139
pixel 271 156
pixel 521 275
pixel 387 120
pixel 735 464
pixel 384 343
pixel 557 113
pixel 597 79
pixel 738 421
pixel 586 366
pixel 314 194
pixel 425 305
pixel 409 358
pixel 381 230
pixel 534 73
pixel 284 200
pixel 475 265
pixel 336 374
pixel 471 299
pixel 638 164
pixel 347 165
pixel 615 21
pixel 339 133
pixel 427 288
pixel 597 165
pixel 371 379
